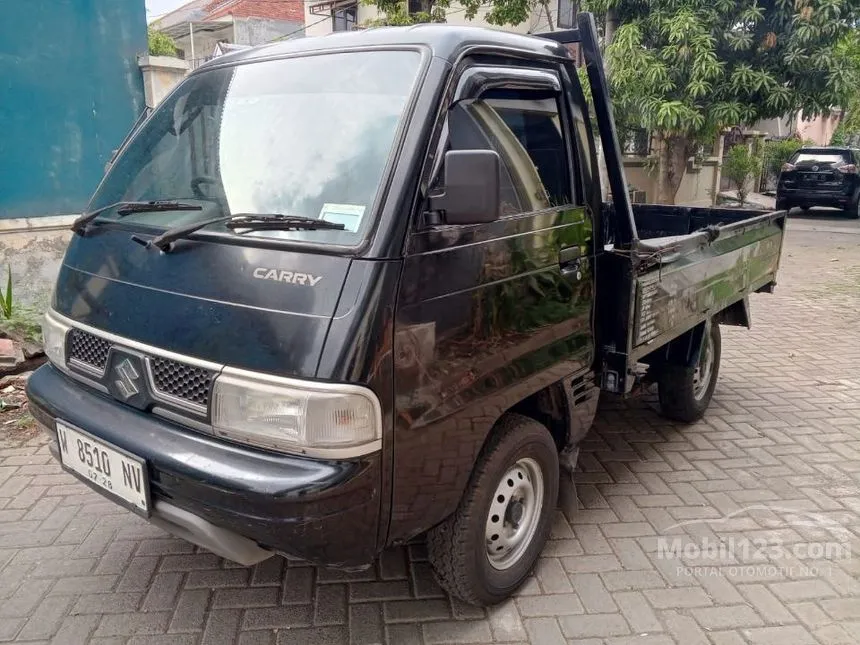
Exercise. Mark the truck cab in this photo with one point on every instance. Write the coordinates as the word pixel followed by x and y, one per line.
pixel 339 292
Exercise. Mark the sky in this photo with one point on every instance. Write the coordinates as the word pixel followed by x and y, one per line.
pixel 156 8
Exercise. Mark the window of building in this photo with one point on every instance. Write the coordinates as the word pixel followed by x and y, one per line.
pixel 566 14
pixel 344 19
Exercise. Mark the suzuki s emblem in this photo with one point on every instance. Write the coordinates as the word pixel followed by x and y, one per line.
pixel 127 381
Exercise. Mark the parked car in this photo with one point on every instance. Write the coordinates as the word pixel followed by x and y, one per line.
pixel 820 177
pixel 339 292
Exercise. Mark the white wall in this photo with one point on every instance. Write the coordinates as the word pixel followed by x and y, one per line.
pixel 259 31
pixel 818 129
pixel 160 75
pixel 204 41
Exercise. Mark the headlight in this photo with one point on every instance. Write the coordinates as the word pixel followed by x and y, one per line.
pixel 290 416
pixel 54 340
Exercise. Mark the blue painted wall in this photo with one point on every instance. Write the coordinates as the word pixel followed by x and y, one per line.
pixel 70 89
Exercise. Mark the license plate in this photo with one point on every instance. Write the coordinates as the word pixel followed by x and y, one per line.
pixel 106 467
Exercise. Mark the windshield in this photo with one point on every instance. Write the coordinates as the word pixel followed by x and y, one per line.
pixel 820 157
pixel 305 136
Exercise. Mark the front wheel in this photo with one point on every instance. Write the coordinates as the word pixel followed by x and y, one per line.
pixel 685 392
pixel 487 548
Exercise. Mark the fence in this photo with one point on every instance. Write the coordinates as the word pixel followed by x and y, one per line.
pixel 194 63
pixel 769 174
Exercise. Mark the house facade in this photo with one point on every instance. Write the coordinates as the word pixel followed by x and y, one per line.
pixel 327 16
pixel 818 129
pixel 199 26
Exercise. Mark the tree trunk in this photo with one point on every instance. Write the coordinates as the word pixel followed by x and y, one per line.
pixel 671 166
pixel 611 24
pixel 545 5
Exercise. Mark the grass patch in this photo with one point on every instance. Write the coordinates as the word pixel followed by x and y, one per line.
pixel 25 324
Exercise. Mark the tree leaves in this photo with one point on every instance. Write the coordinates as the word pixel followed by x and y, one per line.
pixel 688 68
pixel 694 66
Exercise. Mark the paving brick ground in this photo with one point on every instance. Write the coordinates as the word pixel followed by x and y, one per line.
pixel 776 461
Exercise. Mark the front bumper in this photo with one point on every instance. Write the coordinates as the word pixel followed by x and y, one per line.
pixel 326 512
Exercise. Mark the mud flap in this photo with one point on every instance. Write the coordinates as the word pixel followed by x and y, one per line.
pixel 567 498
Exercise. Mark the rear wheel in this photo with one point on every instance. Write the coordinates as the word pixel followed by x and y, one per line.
pixel 487 548
pixel 685 392
pixel 853 210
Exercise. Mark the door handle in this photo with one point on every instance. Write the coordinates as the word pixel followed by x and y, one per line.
pixel 570 262
pixel 569 255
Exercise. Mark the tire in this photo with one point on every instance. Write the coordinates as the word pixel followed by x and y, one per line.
pixel 783 206
pixel 853 211
pixel 459 548
pixel 683 397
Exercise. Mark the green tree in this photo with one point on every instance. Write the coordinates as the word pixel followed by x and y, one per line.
pixel 849 126
pixel 686 70
pixel 160 44
pixel 742 167
pixel 778 152
pixel 501 12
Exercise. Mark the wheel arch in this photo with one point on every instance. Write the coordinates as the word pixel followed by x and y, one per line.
pixel 684 349
pixel 566 407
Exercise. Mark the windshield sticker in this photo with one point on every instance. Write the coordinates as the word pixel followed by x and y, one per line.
pixel 347 214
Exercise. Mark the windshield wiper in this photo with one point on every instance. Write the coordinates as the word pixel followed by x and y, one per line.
pixel 79 226
pixel 247 221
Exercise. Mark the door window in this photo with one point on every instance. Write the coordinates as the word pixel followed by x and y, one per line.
pixel 524 128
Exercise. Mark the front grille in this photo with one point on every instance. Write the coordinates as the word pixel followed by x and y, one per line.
pixel 88 349
pixel 182 381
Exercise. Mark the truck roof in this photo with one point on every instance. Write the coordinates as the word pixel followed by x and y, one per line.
pixel 824 148
pixel 445 41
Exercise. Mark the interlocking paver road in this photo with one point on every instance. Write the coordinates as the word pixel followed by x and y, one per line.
pixel 776 461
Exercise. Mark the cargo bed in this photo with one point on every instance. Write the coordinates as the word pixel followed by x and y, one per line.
pixel 684 266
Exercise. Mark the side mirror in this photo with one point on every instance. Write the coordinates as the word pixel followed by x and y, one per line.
pixel 472 193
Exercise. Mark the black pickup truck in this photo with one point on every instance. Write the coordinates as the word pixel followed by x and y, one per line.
pixel 338 292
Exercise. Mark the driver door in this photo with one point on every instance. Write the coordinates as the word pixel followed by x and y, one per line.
pixel 490 313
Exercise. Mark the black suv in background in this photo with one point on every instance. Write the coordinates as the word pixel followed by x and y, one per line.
pixel 820 177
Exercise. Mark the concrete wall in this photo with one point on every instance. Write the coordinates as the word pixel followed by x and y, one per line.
pixel 781 127
pixel 259 31
pixel 819 129
pixel 160 75
pixel 70 89
pixel 696 187
pixel 204 42
pixel 34 250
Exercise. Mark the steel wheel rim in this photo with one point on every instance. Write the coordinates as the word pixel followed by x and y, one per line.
pixel 514 513
pixel 704 368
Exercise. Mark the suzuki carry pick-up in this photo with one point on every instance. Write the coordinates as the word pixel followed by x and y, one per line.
pixel 335 293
